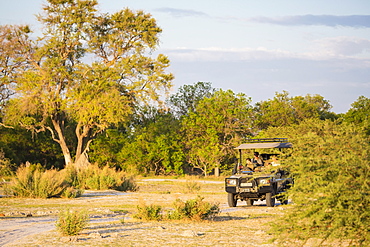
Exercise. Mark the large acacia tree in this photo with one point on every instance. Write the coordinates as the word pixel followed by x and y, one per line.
pixel 86 71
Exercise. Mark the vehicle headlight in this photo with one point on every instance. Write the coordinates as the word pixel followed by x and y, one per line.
pixel 265 181
pixel 231 182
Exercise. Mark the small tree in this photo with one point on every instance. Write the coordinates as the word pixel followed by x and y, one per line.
pixel 85 73
pixel 211 132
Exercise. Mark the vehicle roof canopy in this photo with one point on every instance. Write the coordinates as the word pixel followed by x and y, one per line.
pixel 266 143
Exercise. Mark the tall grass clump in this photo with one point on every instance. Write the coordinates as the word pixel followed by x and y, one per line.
pixel 34 182
pixel 151 212
pixel 191 187
pixel 193 209
pixel 97 178
pixel 71 223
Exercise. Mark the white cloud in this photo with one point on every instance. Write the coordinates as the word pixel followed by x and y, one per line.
pixel 343 46
pixel 181 12
pixel 220 54
pixel 362 21
pixel 323 49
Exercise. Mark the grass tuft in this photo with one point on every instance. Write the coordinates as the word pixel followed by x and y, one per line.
pixel 71 223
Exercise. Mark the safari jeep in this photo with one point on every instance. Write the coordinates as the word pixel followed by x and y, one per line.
pixel 266 182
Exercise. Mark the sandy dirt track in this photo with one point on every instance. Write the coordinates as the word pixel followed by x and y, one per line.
pixel 112 224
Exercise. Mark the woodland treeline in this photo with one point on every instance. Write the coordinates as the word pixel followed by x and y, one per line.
pixel 89 90
pixel 197 127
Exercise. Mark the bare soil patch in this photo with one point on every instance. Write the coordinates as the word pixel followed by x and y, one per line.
pixel 112 224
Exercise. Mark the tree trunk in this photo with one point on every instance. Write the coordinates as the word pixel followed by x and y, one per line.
pixel 62 142
pixel 83 142
pixel 82 162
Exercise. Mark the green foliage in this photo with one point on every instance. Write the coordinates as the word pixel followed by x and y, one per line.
pixel 151 212
pixel 102 179
pixel 359 113
pixel 330 165
pixel 191 187
pixel 71 223
pixel 283 110
pixel 215 127
pixel 32 181
pixel 20 145
pixel 153 144
pixel 193 209
pixel 71 192
pixel 56 89
pixel 188 97
pixel 7 169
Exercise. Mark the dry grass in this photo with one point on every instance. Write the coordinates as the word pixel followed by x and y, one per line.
pixel 112 224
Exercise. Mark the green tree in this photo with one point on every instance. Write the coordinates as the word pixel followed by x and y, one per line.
pixel 211 132
pixel 150 144
pixel 330 165
pixel 154 144
pixel 284 110
pixel 20 145
pixel 188 96
pixel 359 113
pixel 12 39
pixel 86 73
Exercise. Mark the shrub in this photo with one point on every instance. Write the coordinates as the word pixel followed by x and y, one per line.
pixel 32 181
pixel 6 167
pixel 71 177
pixel 151 212
pixel 71 192
pixel 191 187
pixel 71 223
pixel 127 184
pixel 330 165
pixel 194 209
pixel 107 178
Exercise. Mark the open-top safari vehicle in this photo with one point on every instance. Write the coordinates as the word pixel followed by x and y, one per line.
pixel 264 180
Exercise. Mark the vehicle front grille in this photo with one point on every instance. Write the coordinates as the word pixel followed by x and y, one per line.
pixel 247 183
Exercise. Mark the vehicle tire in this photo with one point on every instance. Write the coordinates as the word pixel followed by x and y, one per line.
pixel 270 200
pixel 284 202
pixel 231 200
pixel 250 202
pixel 282 199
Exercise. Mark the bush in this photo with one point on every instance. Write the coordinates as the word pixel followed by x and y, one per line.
pixel 102 179
pixel 152 212
pixel 330 165
pixel 127 184
pixel 71 192
pixel 191 187
pixel 194 209
pixel 71 223
pixel 6 167
pixel 32 181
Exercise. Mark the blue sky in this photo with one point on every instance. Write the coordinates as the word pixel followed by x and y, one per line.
pixel 255 47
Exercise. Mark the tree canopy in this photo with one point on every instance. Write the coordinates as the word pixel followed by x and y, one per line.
pixel 85 73
pixel 330 166
pixel 284 110
pixel 216 125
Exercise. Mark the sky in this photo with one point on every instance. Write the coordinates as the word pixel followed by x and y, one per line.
pixel 258 48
